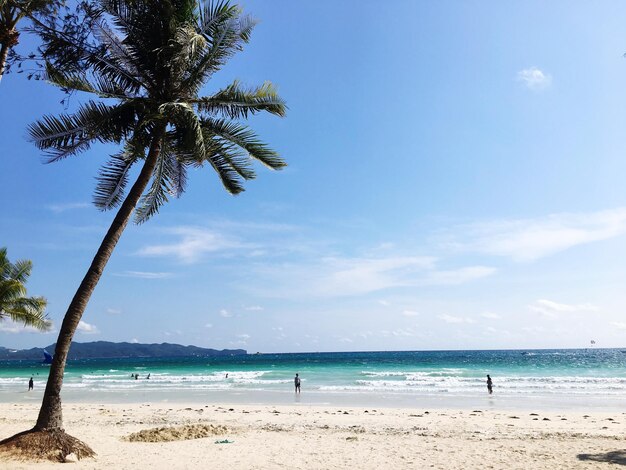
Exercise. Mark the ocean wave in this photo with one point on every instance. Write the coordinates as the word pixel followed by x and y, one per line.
pixel 430 373
pixel 513 385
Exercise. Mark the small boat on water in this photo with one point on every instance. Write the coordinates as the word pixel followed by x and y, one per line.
pixel 47 357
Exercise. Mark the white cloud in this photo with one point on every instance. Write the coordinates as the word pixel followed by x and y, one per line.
pixel 403 332
pixel 526 240
pixel 87 328
pixel 58 208
pixel 335 276
pixel 134 341
pixel 9 326
pixel 225 313
pixel 452 319
pixel 491 315
pixel 254 308
pixel 194 244
pixel 459 276
pixel 242 340
pixel 343 276
pixel 410 313
pixel 113 311
pixel 361 275
pixel 208 325
pixel 534 78
pixel 281 334
pixel 533 329
pixel 144 275
pixel 551 309
pixel 619 325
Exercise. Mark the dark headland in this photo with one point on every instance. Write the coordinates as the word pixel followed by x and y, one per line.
pixel 107 349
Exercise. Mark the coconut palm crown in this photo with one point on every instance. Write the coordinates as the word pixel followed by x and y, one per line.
pixel 148 66
pixel 14 303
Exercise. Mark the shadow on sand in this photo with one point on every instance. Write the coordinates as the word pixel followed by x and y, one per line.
pixel 617 457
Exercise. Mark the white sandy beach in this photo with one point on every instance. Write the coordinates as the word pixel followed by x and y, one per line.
pixel 313 437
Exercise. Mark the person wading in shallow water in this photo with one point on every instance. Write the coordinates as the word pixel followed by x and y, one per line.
pixel 296 382
pixel 30 384
pixel 489 385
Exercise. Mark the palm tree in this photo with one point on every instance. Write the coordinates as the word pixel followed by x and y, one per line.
pixel 13 301
pixel 148 64
pixel 11 13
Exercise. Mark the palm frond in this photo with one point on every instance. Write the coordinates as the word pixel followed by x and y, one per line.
pixel 30 311
pixel 232 155
pixel 5 264
pixel 13 300
pixel 70 80
pixel 112 180
pixel 118 51
pixel 71 134
pixel 226 31
pixel 11 290
pixel 230 178
pixel 188 127
pixel 21 269
pixel 245 138
pixel 211 14
pixel 78 81
pixel 178 175
pixel 106 67
pixel 237 102
pixel 168 178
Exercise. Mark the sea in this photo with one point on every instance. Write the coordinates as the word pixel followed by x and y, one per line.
pixel 567 379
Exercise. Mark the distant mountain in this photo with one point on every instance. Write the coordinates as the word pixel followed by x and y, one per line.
pixel 107 349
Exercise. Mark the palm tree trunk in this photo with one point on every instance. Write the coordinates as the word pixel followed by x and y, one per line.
pixel 50 414
pixel 8 33
pixel 4 52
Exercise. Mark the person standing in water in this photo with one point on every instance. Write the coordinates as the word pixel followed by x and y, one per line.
pixel 296 382
pixel 489 385
pixel 30 384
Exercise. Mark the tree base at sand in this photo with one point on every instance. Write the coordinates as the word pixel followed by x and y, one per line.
pixel 55 445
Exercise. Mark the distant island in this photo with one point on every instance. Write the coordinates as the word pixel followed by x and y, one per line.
pixel 107 350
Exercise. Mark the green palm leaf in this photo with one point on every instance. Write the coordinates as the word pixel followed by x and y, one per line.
pixel 168 179
pixel 70 134
pixel 245 138
pixel 14 303
pixel 188 126
pixel 236 102
pixel 112 181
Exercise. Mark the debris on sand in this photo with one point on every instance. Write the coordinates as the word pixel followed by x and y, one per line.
pixel 180 433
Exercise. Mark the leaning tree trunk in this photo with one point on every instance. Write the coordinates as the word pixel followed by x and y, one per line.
pixel 50 414
pixel 4 52
pixel 9 36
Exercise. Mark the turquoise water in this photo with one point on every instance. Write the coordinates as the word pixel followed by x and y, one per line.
pixel 571 378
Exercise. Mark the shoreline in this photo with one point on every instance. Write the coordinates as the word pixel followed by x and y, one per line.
pixel 322 437
pixel 495 402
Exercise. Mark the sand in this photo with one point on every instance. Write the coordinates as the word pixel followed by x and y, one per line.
pixel 312 437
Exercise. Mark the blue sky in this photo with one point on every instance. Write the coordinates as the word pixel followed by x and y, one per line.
pixel 455 181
